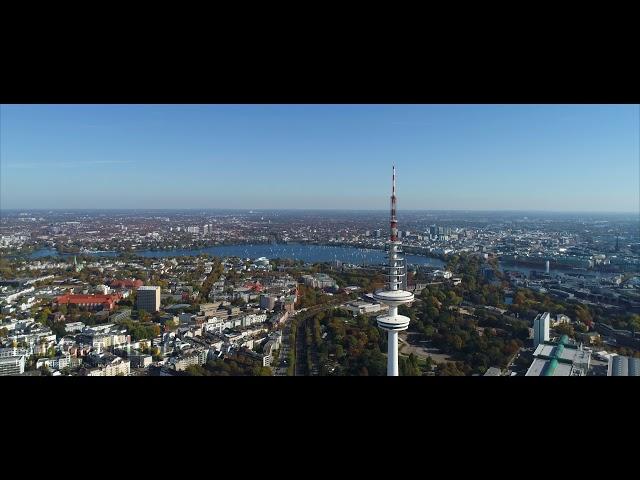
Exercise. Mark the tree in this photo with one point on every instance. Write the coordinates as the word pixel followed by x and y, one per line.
pixel 428 364
pixel 432 312
pixel 196 370
pixel 565 329
pixel 362 321
pixel 260 371
pixel 44 315
pixel 584 315
pixel 170 326
pixel 519 299
pixel 453 299
pixel 449 369
pixel 456 342
pixel 582 328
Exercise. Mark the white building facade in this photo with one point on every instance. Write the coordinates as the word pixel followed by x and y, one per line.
pixel 541 326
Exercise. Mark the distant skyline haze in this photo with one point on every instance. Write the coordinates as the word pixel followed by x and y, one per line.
pixel 570 158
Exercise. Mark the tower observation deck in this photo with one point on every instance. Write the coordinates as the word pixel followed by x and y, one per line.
pixel 392 295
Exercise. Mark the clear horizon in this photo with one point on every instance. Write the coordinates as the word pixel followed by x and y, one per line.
pixel 477 158
pixel 380 210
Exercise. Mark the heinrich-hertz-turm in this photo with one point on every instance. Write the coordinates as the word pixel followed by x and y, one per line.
pixel 393 295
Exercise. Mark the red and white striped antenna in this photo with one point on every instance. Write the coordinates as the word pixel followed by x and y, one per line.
pixel 394 222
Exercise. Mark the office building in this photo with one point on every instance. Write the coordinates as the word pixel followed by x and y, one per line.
pixel 541 328
pixel 148 298
pixel 12 365
pixel 621 366
pixel 268 302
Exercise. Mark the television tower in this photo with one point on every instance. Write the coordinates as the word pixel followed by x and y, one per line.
pixel 393 296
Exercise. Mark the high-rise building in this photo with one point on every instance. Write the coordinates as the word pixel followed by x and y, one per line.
pixel 393 295
pixel 268 302
pixel 621 366
pixel 12 361
pixel 541 328
pixel 378 233
pixel 148 298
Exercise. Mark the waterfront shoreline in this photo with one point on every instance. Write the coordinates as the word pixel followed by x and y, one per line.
pixel 295 251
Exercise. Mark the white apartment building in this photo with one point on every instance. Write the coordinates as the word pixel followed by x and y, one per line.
pixel 74 327
pixel 196 358
pixel 117 367
pixel 12 361
pixel 541 326
pixel 252 318
pixel 319 280
pixel 363 307
pixel 11 366
pixel 560 318
pixel 57 363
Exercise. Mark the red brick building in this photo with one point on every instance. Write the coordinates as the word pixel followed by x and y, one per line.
pixel 91 302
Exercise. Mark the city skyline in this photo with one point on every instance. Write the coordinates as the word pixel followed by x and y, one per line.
pixel 531 158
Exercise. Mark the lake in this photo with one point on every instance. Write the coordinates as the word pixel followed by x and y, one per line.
pixel 306 253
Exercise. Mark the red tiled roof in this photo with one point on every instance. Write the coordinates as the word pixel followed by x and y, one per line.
pixel 127 283
pixel 254 286
pixel 106 300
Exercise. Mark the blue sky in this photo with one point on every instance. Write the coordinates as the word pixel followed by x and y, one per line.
pixel 468 157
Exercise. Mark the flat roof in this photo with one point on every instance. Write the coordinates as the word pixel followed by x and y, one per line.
pixel 539 366
pixel 568 354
